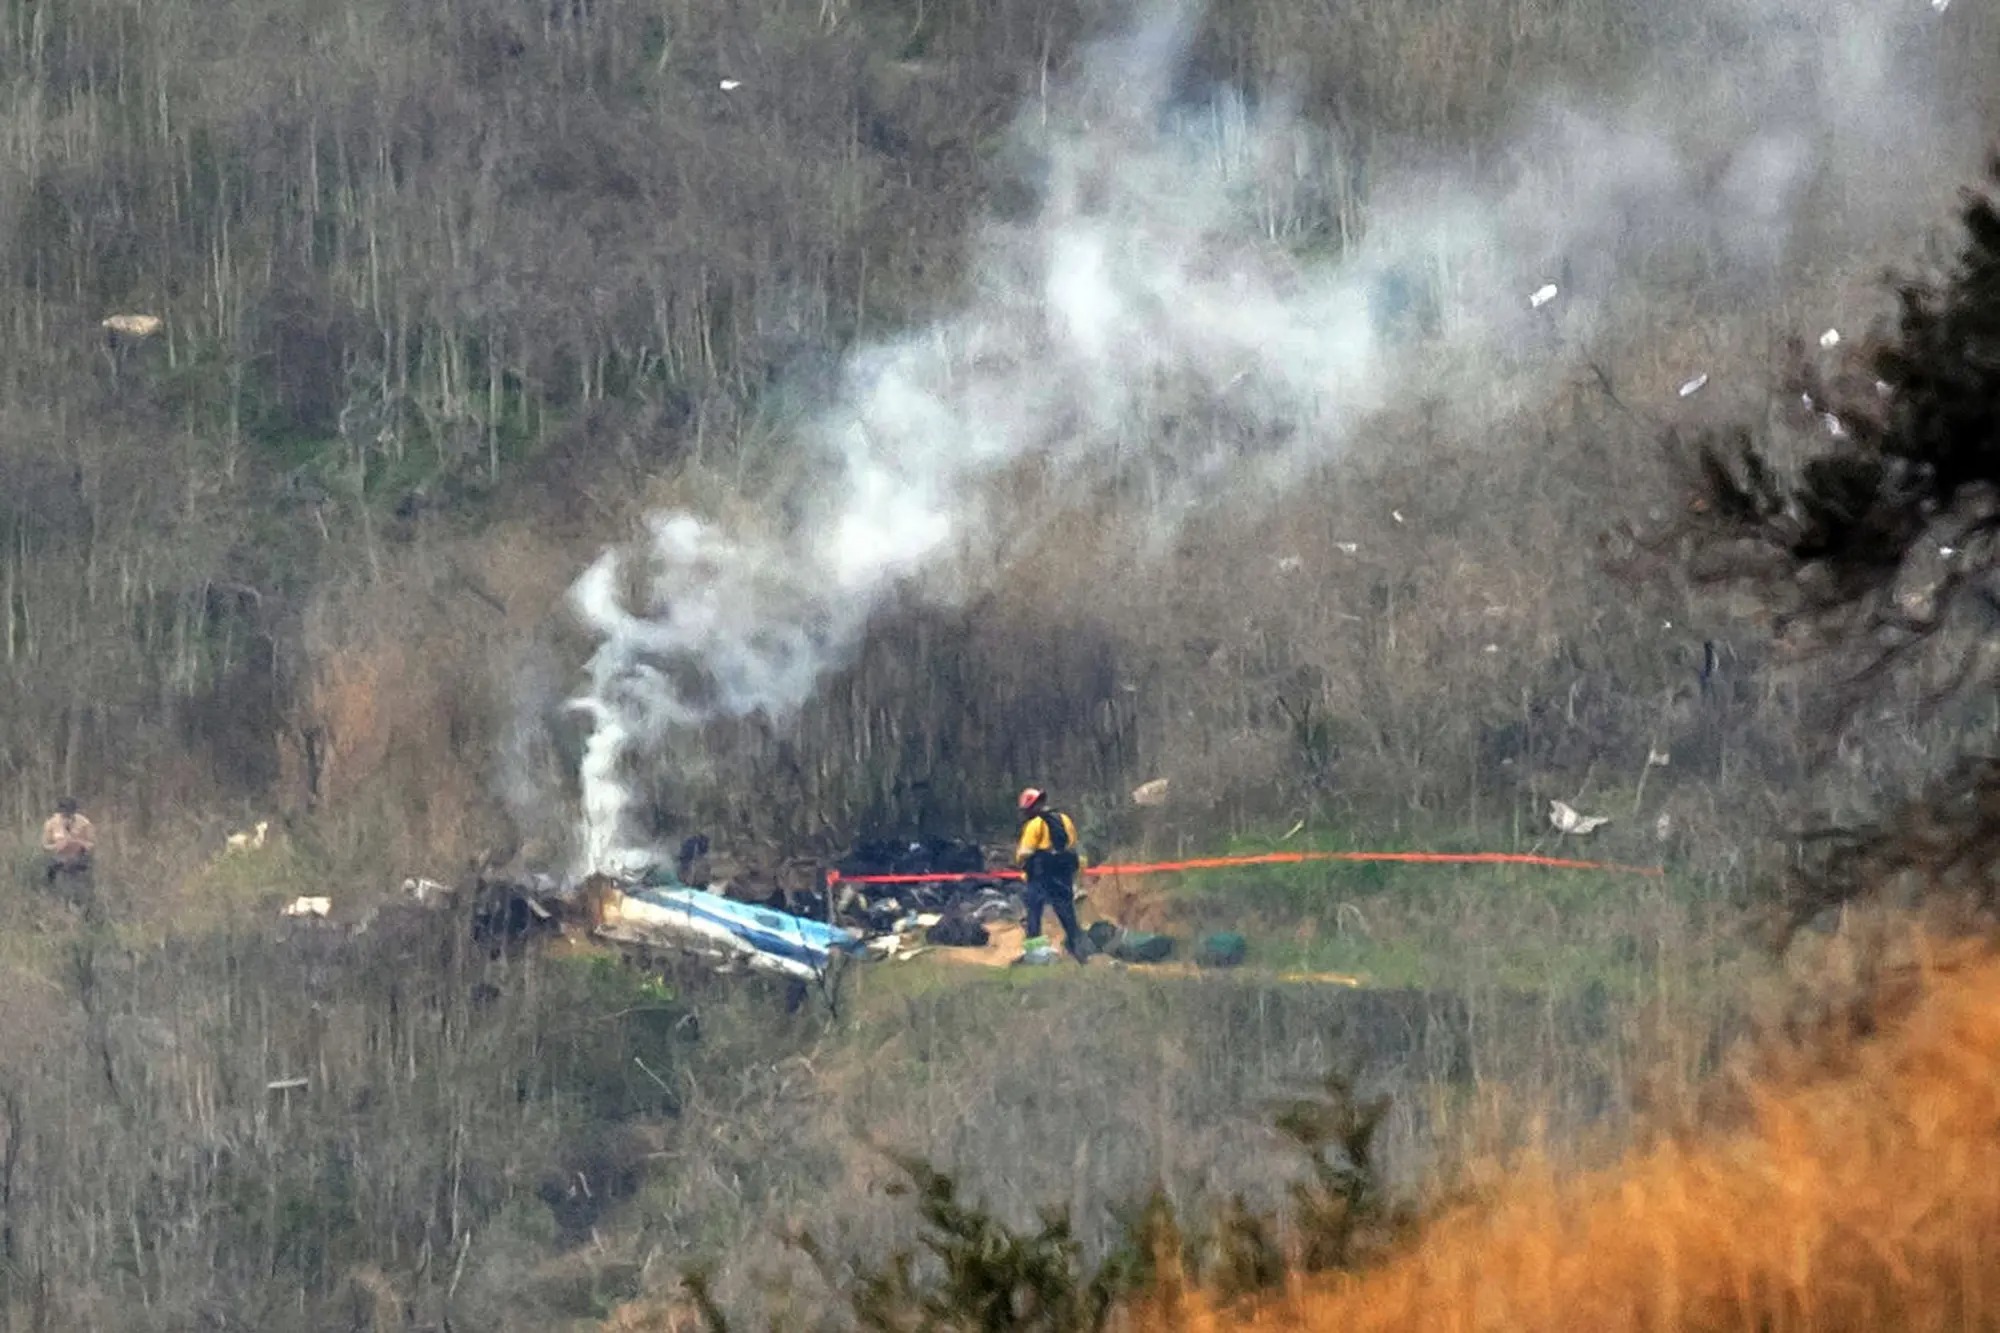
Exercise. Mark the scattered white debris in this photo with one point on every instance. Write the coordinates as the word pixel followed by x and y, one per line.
pixel 1567 820
pixel 309 907
pixel 137 326
pixel 1694 386
pixel 1290 564
pixel 1543 295
pixel 1151 793
pixel 287 1084
pixel 1663 826
pixel 1947 551
pixel 1806 400
pixel 1939 6
pixel 1666 624
pixel 1490 648
pixel 243 842
pixel 1882 387
pixel 1396 514
pixel 1347 548
pixel 426 890
pixel 1657 758
pixel 1830 339
pixel 1833 426
pixel 731 85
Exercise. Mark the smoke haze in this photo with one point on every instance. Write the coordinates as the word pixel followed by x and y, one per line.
pixel 1150 340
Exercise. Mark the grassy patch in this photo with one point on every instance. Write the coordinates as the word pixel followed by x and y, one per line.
pixel 1404 924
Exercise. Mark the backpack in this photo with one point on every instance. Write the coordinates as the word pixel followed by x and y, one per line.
pixel 1139 946
pixel 1222 949
pixel 1058 859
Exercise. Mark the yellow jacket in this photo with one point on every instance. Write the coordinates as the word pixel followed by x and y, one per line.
pixel 1035 838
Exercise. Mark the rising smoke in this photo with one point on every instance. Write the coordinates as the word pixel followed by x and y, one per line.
pixel 1144 340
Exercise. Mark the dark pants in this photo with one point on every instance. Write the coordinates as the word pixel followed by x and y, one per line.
pixel 1059 896
pixel 76 870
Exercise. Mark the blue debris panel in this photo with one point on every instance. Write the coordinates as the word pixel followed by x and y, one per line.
pixel 722 928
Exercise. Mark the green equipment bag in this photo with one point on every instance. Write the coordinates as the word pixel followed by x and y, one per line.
pixel 1138 946
pixel 1222 949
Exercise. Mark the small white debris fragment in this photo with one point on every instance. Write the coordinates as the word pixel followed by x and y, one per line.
pixel 1490 648
pixel 309 907
pixel 1830 339
pixel 1290 563
pixel 1806 400
pixel 1694 386
pixel 1666 624
pixel 136 326
pixel 1939 6
pixel 1567 820
pixel 1947 551
pixel 731 85
pixel 286 1084
pixel 1663 826
pixel 1347 548
pixel 1657 758
pixel 1543 295
pixel 426 890
pixel 1396 514
pixel 1833 426
pixel 1151 793
pixel 1882 387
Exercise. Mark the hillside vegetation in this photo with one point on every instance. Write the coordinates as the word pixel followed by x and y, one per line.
pixel 450 292
pixel 1855 1194
pixel 1837 1181
pixel 452 297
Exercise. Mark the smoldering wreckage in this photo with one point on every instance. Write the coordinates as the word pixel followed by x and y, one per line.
pixel 801 924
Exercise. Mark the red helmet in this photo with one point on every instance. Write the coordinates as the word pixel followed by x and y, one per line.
pixel 1030 797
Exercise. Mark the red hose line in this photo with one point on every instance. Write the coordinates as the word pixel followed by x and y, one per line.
pixel 1277 858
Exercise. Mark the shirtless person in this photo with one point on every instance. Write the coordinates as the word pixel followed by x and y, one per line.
pixel 68 839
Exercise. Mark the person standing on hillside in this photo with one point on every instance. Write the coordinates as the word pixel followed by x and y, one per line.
pixel 68 838
pixel 1049 855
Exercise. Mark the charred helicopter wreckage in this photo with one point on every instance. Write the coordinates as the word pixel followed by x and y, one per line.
pixel 801 926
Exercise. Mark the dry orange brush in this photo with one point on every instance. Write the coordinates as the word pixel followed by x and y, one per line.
pixel 1865 1195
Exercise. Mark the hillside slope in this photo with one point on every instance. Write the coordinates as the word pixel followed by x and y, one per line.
pixel 1862 1193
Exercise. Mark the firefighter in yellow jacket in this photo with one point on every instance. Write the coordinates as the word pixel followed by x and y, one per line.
pixel 1049 855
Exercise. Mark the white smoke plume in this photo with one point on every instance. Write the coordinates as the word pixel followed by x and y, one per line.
pixel 1144 340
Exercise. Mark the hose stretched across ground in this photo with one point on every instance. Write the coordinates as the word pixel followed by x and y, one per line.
pixel 1275 858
